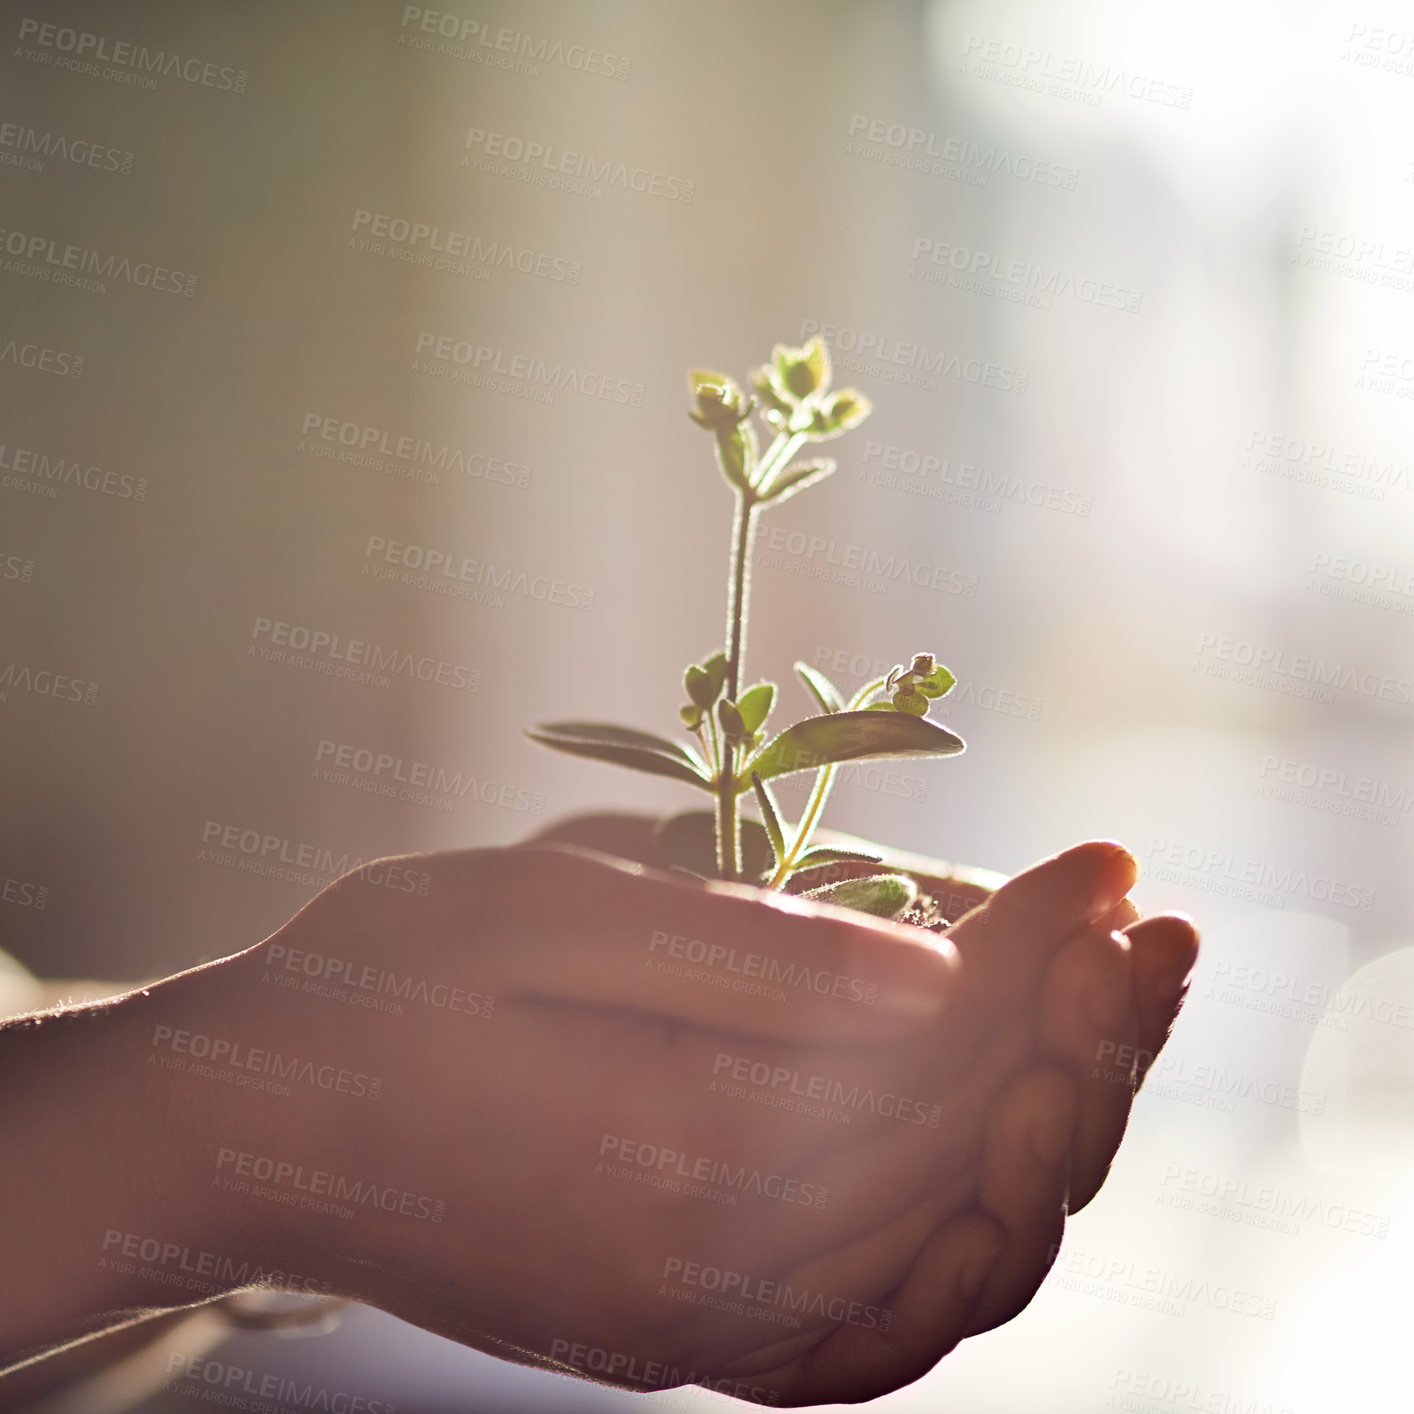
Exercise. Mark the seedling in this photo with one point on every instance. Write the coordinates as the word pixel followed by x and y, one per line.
pixel 733 757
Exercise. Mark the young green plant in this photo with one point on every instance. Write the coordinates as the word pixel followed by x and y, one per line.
pixel 886 719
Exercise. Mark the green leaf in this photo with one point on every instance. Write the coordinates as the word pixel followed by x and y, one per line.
pixel 910 701
pixel 755 705
pixel 770 818
pixel 938 683
pixel 624 746
pixel 849 736
pixel 736 453
pixel 691 715
pixel 884 895
pixel 798 477
pixel 819 855
pixel 689 841
pixel 703 681
pixel 821 688
pixel 729 719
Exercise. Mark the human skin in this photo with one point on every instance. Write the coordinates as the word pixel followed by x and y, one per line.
pixel 519 1115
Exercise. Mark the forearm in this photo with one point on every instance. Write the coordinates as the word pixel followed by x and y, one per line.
pixel 107 1210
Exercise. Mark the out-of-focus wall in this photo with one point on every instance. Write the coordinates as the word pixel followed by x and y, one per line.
pixel 1130 288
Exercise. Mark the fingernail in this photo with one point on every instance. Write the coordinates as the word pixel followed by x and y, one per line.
pixel 1116 878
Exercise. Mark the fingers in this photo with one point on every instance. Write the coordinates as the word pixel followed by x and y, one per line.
pixel 929 1312
pixel 1022 1186
pixel 1014 934
pixel 587 928
pixel 1165 949
pixel 1087 1026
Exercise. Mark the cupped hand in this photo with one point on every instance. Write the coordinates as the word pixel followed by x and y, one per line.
pixel 705 1134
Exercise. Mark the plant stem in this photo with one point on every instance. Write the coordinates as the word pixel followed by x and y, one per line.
pixel 819 794
pixel 748 504
pixel 738 591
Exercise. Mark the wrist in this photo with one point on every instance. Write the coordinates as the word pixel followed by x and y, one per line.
pixel 102 1208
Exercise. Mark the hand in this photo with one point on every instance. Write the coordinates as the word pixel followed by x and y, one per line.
pixel 589 1054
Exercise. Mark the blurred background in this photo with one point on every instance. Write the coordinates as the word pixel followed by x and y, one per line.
pixel 1130 288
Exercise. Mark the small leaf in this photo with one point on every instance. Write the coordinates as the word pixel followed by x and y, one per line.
pixel 907 700
pixel 819 855
pixel 797 478
pixel 689 841
pixel 884 895
pixel 703 681
pixel 624 746
pixel 850 736
pixel 938 683
pixel 691 715
pixel 821 688
pixel 755 705
pixel 720 403
pixel 736 453
pixel 770 818
pixel 729 718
